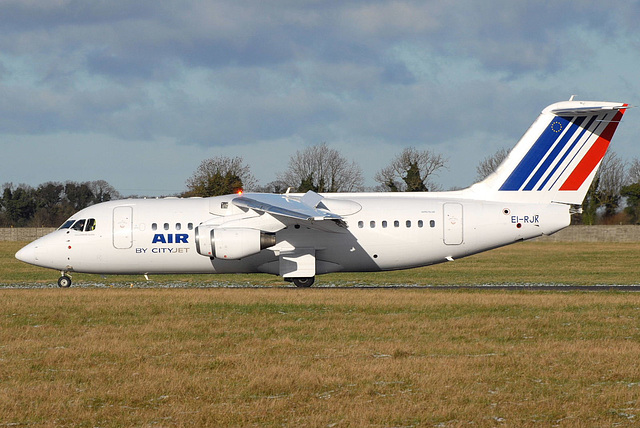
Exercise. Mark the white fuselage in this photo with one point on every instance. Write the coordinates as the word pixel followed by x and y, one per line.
pixel 383 232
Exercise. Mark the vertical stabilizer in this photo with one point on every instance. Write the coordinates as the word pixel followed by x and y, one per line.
pixel 558 157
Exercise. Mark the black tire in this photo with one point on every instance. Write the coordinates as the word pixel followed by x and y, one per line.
pixel 304 282
pixel 64 281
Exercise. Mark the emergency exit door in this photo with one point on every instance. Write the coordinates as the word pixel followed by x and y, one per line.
pixel 453 233
pixel 123 227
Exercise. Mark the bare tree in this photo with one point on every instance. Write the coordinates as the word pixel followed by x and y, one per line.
pixel 605 189
pixel 490 164
pixel 103 191
pixel 322 169
pixel 219 176
pixel 634 171
pixel 276 186
pixel 612 178
pixel 411 171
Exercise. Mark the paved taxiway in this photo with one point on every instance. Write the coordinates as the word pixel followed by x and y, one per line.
pixel 214 284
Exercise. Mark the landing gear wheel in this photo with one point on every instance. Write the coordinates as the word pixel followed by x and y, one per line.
pixel 304 282
pixel 64 281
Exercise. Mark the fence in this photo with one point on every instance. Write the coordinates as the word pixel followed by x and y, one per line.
pixel 626 233
pixel 24 233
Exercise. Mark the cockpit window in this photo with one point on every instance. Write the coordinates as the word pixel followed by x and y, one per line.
pixel 91 225
pixel 78 225
pixel 67 224
pixel 82 225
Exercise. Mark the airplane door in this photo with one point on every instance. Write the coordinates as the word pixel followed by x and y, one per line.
pixel 453 224
pixel 123 227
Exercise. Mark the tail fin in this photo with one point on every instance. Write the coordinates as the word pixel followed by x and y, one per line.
pixel 557 158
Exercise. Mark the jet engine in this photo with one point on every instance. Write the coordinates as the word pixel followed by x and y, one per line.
pixel 231 243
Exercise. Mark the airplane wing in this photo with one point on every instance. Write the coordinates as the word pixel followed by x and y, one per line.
pixel 303 208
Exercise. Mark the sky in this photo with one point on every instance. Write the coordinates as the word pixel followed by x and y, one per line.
pixel 138 93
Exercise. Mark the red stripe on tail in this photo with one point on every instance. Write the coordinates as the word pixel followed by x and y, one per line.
pixel 593 156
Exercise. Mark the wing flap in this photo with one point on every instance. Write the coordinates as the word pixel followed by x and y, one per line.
pixel 287 206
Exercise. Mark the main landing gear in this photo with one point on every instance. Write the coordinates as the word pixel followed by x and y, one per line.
pixel 303 282
pixel 64 281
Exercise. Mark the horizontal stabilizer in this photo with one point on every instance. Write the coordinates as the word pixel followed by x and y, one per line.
pixel 586 110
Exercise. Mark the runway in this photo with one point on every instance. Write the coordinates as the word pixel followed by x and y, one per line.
pixel 340 286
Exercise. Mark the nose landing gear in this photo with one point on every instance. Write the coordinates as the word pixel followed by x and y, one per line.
pixel 64 281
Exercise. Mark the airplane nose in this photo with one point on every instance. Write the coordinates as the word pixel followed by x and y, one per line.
pixel 45 252
pixel 27 254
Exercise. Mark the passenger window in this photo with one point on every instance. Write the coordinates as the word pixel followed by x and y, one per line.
pixel 166 226
pixel 190 226
pixel 91 225
pixel 420 223
pixel 178 226
pixel 372 224
pixel 384 224
pixel 78 225
pixel 408 223
pixel 396 223
pixel 360 224
pixel 154 226
pixel 432 223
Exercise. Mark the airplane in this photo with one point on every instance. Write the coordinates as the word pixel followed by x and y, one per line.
pixel 534 192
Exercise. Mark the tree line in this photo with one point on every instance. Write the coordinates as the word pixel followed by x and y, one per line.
pixel 614 196
pixel 51 203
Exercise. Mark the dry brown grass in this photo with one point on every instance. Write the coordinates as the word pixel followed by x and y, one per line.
pixel 289 357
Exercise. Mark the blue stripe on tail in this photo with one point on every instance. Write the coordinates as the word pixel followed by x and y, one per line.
pixel 564 156
pixel 554 154
pixel 537 152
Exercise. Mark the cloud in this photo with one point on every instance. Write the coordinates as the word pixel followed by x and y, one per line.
pixel 120 39
pixel 230 74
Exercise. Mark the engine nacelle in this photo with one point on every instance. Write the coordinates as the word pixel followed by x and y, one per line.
pixel 231 243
